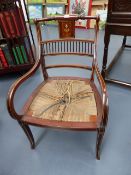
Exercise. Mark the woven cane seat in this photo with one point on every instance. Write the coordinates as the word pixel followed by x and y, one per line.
pixel 68 100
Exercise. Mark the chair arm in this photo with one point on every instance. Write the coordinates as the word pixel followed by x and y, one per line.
pixel 15 86
pixel 104 93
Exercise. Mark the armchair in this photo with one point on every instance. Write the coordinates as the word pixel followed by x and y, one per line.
pixel 64 102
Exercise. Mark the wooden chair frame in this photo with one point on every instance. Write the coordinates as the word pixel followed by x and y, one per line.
pixel 40 61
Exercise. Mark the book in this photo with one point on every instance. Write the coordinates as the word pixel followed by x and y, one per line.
pixel 15 55
pixel 5 49
pixel 20 19
pixel 24 54
pixel 15 23
pixel 21 61
pixel 8 24
pixel 3 59
pixel 12 23
pixel 4 26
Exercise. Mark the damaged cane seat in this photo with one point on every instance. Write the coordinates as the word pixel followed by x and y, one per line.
pixel 64 102
pixel 67 101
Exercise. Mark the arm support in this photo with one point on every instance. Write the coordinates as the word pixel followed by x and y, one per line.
pixel 15 86
pixel 104 95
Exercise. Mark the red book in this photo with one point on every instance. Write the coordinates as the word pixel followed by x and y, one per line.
pixel 7 16
pixel 3 59
pixel 4 26
pixel 21 20
pixel 15 22
pixel 12 23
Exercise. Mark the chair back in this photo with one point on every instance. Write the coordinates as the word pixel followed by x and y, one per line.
pixel 69 41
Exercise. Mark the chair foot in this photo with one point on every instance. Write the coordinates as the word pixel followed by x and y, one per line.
pixel 28 133
pixel 100 134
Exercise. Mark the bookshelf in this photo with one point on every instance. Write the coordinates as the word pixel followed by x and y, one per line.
pixel 16 39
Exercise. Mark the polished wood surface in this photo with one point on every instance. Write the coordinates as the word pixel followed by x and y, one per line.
pixel 66 29
pixel 25 118
pixel 118 23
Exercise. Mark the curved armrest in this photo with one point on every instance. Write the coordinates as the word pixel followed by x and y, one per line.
pixel 104 93
pixel 14 87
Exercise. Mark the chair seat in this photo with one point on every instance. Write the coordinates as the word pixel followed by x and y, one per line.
pixel 64 100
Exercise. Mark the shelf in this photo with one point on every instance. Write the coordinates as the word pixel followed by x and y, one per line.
pixel 34 3
pixel 49 3
pixel 17 37
pixel 59 3
pixel 54 3
pixel 99 3
pixel 3 39
pixel 16 68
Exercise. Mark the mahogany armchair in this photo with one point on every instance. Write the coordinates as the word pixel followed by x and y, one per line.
pixel 64 102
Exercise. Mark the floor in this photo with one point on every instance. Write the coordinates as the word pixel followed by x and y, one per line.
pixel 69 152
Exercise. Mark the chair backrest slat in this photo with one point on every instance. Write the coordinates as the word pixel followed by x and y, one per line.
pixel 70 46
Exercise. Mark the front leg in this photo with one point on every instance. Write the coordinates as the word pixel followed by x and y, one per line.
pixel 28 133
